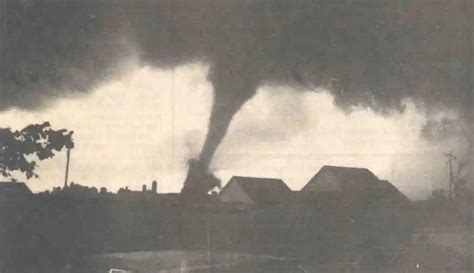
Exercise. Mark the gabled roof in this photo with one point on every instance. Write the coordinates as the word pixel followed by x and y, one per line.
pixel 355 184
pixel 14 188
pixel 350 176
pixel 390 193
pixel 261 190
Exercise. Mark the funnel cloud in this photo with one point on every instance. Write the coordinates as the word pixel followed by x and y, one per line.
pixel 367 53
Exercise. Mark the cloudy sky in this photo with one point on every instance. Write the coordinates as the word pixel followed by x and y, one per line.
pixel 146 124
pixel 274 88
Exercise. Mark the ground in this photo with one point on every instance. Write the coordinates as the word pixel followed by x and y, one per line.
pixel 419 257
pixel 180 261
pixel 431 251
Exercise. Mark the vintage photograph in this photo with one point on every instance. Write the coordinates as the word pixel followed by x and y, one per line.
pixel 240 136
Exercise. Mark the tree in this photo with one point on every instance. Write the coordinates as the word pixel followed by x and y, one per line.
pixel 19 149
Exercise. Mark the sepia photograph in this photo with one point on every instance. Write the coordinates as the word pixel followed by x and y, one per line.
pixel 236 136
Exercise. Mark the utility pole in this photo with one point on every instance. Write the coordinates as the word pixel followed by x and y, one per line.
pixel 468 8
pixel 209 243
pixel 450 157
pixel 68 155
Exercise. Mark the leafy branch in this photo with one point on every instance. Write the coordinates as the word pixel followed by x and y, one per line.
pixel 18 149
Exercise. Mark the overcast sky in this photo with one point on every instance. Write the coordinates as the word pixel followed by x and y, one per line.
pixel 287 85
pixel 145 124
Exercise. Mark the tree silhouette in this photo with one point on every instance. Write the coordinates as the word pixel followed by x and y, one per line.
pixel 19 149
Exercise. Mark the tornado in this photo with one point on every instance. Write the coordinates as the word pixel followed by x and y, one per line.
pixel 233 86
pixel 380 53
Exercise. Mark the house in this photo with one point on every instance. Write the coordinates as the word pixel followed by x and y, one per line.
pixel 255 190
pixel 337 179
pixel 13 191
pixel 353 186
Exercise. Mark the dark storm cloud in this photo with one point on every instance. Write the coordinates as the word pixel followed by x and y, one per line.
pixel 371 52
pixel 54 48
pixel 368 52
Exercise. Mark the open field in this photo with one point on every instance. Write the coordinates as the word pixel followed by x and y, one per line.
pixel 183 261
pixel 417 257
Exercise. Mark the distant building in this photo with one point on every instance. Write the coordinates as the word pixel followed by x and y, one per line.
pixel 354 185
pixel 145 192
pixel 254 190
pixel 337 179
pixel 11 191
